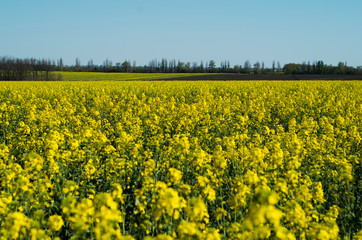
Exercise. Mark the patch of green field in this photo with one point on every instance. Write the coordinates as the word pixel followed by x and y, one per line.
pixel 100 76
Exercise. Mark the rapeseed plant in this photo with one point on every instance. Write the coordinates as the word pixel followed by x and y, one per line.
pixel 180 160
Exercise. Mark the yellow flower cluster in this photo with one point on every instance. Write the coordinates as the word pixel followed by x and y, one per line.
pixel 180 160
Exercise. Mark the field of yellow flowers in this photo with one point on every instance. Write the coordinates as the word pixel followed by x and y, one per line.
pixel 180 160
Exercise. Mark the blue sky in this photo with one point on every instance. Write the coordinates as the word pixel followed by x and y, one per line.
pixel 142 30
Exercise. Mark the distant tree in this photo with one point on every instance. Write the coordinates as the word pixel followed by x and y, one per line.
pixel 77 64
pixel 60 64
pixel 118 66
pixel 153 65
pixel 180 67
pixel 164 65
pixel 320 67
pixel 225 66
pixel 279 68
pixel 257 68
pixel 47 68
pixel 359 70
pixel 201 67
pixel 172 66
pixel 273 66
pixel 314 67
pixel 341 68
pixel 308 67
pixel 195 67
pixel 236 68
pixel 329 69
pixel 133 66
pixel 247 67
pixel 27 69
pixel 262 67
pixel 126 66
pixel 90 65
pixel 188 67
pixel 292 68
pixel 107 65
pixel 304 67
pixel 212 66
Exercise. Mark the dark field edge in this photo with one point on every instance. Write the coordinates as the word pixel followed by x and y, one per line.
pixel 241 77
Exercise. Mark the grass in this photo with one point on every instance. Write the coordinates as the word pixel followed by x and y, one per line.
pixel 100 76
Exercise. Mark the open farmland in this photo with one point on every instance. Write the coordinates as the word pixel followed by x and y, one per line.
pixel 186 160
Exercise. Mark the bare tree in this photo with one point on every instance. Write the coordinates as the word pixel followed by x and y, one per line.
pixel 153 65
pixel 107 65
pixel 172 66
pixel 273 67
pixel 77 64
pixel 279 68
pixel 90 65
pixel 134 66
pixel 60 64
pixel 26 69
pixel 164 65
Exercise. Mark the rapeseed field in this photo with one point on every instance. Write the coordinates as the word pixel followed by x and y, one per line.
pixel 180 160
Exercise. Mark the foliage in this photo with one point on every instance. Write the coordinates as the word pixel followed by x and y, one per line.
pixel 188 160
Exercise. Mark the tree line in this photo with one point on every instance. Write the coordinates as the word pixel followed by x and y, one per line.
pixel 319 67
pixel 42 69
pixel 27 69
pixel 172 66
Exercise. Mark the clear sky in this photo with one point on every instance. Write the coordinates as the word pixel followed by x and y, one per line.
pixel 186 30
